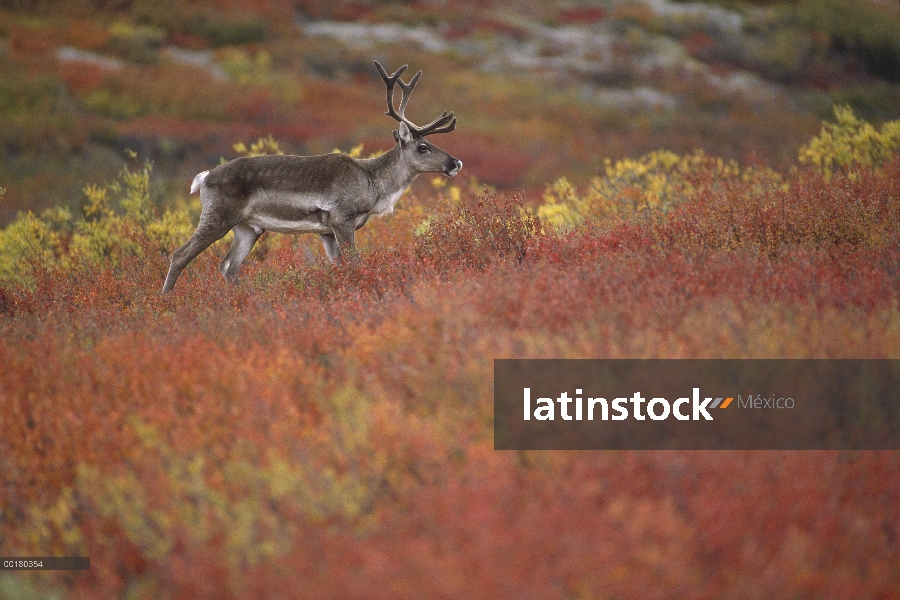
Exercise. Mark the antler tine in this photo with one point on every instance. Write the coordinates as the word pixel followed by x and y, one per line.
pixel 407 89
pixel 390 81
pixel 451 126
pixel 445 129
pixel 390 78
pixel 443 124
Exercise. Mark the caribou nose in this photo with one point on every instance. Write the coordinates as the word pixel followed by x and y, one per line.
pixel 457 165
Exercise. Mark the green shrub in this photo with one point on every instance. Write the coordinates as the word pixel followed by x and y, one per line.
pixel 241 67
pixel 136 43
pixel 854 26
pixel 874 101
pixel 232 33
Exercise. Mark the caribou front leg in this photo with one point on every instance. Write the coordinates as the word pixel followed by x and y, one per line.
pixel 244 239
pixel 331 246
pixel 344 236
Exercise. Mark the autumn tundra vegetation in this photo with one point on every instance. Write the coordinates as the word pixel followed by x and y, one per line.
pixel 321 430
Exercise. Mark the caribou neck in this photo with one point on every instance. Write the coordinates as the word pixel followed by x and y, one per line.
pixel 391 174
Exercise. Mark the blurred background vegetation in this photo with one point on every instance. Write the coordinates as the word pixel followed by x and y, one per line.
pixel 724 178
pixel 543 90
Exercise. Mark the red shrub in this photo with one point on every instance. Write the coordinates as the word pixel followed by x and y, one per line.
pixel 322 431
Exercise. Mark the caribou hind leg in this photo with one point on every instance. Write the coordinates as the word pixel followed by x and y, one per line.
pixel 206 234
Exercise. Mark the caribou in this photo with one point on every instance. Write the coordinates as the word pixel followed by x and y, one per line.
pixel 332 195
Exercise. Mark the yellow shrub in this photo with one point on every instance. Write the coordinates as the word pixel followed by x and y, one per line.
pixel 28 242
pixel 261 147
pixel 646 186
pixel 850 141
pixel 357 152
pixel 241 67
pixel 103 234
pixel 563 208
pixel 117 221
pixel 173 228
pixel 241 498
pixel 657 181
pixel 133 189
pixel 99 241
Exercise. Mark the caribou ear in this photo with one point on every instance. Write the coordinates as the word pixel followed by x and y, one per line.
pixel 396 136
pixel 404 135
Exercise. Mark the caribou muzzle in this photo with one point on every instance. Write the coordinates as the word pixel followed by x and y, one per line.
pixel 453 168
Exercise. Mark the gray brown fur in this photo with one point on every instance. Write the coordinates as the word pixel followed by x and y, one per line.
pixel 332 195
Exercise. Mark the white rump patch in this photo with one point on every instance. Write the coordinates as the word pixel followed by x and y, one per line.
pixel 195 185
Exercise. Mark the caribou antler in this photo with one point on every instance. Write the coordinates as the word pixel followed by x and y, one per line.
pixel 443 124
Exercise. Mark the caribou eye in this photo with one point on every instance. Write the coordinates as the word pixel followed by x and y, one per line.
pixel 423 148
